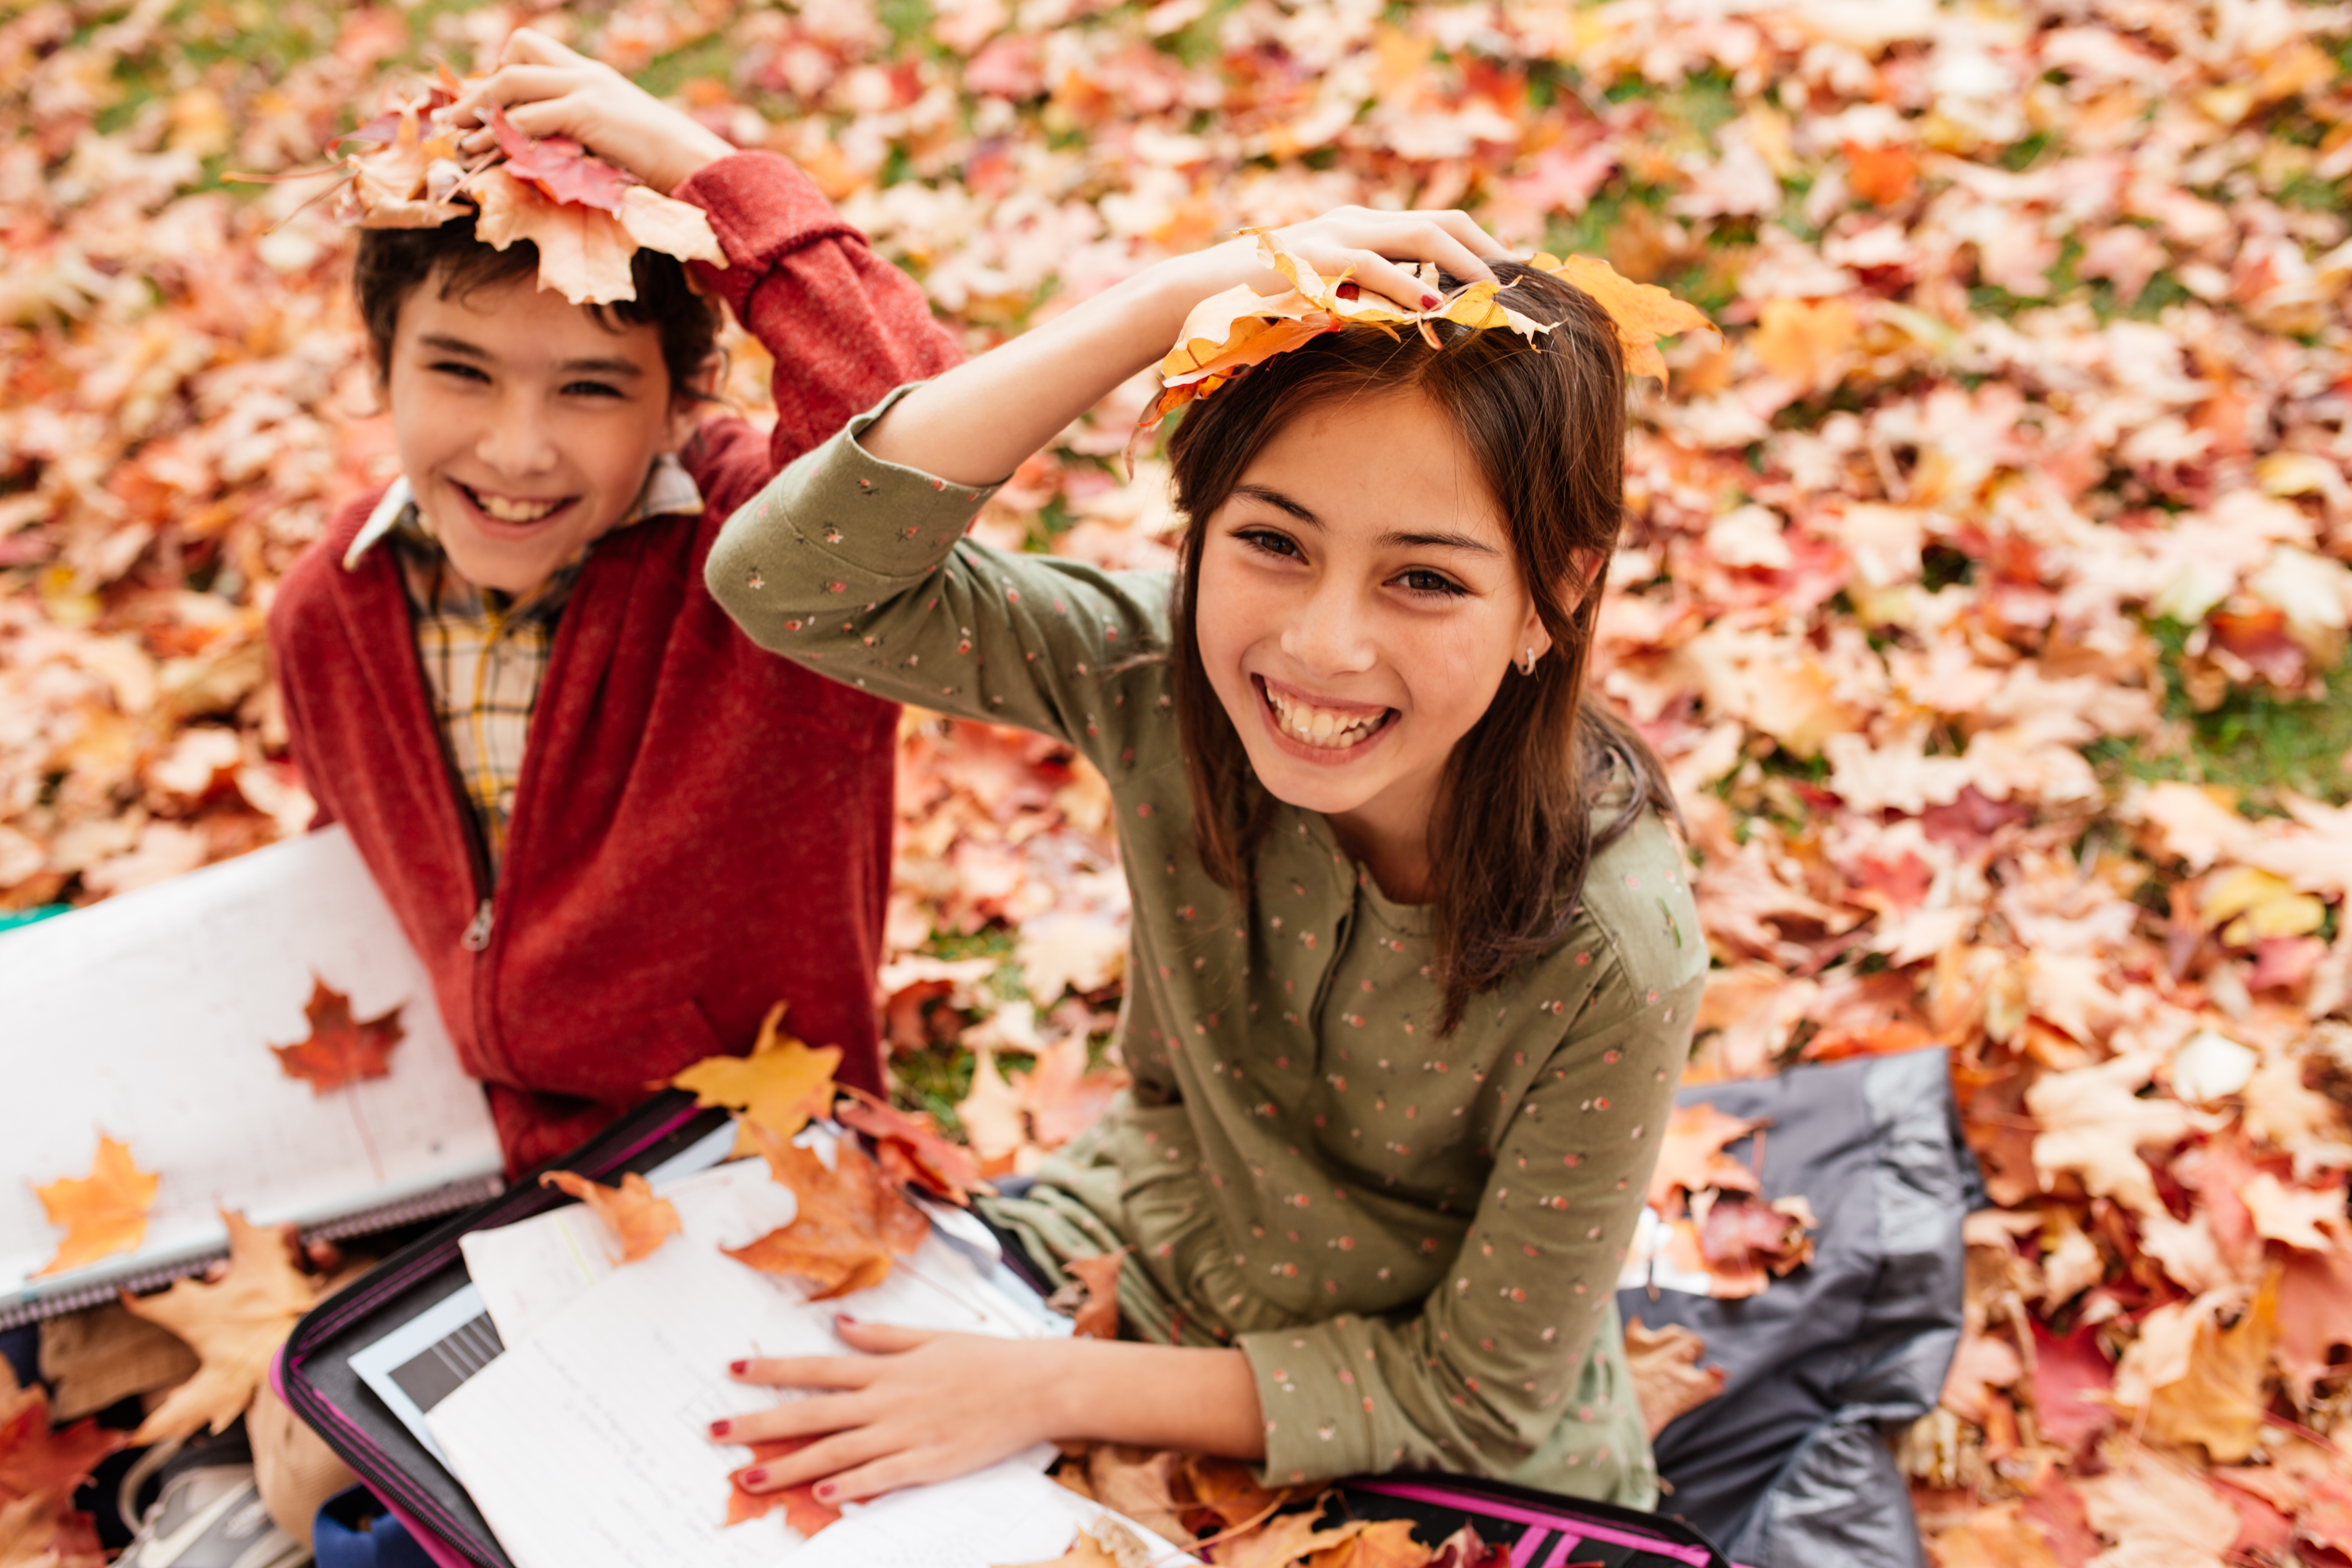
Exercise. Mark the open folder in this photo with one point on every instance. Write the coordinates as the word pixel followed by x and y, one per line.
pixel 150 1018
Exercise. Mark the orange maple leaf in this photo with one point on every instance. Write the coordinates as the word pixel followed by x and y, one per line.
pixel 1644 312
pixel 340 1049
pixel 778 1087
pixel 1667 1378
pixel 852 1220
pixel 911 1148
pixel 104 1213
pixel 1098 1316
pixel 1691 1157
pixel 642 1221
pixel 234 1325
pixel 802 1511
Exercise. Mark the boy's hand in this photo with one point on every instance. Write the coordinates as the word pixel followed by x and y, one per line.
pixel 549 90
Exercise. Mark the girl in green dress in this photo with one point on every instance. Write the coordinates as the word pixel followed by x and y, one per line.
pixel 1414 960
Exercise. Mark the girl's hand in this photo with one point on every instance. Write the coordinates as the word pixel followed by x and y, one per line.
pixel 1375 249
pixel 547 90
pixel 917 1407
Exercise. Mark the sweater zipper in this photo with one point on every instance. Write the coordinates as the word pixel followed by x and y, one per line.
pixel 478 930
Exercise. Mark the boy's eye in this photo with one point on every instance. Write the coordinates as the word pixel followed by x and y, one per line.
pixel 591 389
pixel 1422 580
pixel 460 369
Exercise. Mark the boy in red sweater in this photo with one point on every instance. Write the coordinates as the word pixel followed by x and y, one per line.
pixel 614 829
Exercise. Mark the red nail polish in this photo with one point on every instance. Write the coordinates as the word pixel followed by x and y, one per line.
pixel 720 1428
pixel 1429 301
pixel 826 1489
pixel 739 1367
pixel 841 1317
pixel 754 1477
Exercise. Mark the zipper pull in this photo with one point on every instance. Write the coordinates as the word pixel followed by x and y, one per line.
pixel 478 931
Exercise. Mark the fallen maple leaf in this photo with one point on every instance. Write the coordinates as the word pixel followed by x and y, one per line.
pixel 44 1531
pixel 2314 1316
pixel 1691 1157
pixel 803 1511
pixel 851 1223
pixel 1385 1543
pixel 340 1049
pixel 1098 1315
pixel 1108 1544
pixel 104 1213
pixel 1141 1484
pixel 2095 1125
pixel 778 1088
pixel 38 1463
pixel 1465 1549
pixel 1285 1541
pixel 2218 1403
pixel 235 1326
pixel 911 1149
pixel 640 1221
pixel 1667 1378
pixel 1805 342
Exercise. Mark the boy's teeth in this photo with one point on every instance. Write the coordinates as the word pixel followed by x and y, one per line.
pixel 507 511
pixel 1320 727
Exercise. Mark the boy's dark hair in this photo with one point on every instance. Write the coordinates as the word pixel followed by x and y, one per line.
pixel 394 263
pixel 1544 424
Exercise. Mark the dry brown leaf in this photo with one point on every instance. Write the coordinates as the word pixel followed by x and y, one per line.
pixel 1691 1157
pixel 2218 1402
pixel 640 1221
pixel 235 1326
pixel 1141 1484
pixel 803 1511
pixel 1098 1315
pixel 1667 1378
pixel 103 1353
pixel 103 1212
pixel 851 1224
pixel 340 1049
pixel 1381 1543
pixel 781 1087
pixel 1805 342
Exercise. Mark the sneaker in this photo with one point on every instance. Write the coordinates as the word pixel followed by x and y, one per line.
pixel 208 1514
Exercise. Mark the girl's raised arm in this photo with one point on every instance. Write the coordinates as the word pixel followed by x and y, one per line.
pixel 974 424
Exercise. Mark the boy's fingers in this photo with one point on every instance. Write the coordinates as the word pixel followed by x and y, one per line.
pixel 805 1372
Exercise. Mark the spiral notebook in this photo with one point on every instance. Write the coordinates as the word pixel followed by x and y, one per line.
pixel 149 1019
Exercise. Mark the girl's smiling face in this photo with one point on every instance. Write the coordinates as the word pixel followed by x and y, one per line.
pixel 526 426
pixel 1358 604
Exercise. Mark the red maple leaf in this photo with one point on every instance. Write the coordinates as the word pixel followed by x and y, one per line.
pixel 802 1511
pixel 910 1148
pixel 339 1049
pixel 34 1459
pixel 561 168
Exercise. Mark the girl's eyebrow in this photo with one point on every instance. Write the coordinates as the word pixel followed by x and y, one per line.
pixel 1394 539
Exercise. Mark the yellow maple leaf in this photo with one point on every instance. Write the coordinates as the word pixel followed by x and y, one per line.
pixel 104 1213
pixel 2218 1404
pixel 234 1325
pixel 1644 312
pixel 780 1086
pixel 2249 905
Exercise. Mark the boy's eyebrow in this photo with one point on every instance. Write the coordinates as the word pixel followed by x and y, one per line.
pixel 444 343
pixel 1395 539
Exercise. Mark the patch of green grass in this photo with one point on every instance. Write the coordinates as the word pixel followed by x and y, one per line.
pixel 2256 741
pixel 710 57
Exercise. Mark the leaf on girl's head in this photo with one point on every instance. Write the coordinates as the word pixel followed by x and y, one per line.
pixel 910 1147
pixel 235 1326
pixel 802 1510
pixel 103 1212
pixel 1644 312
pixel 340 1049
pixel 851 1223
pixel 1667 1378
pixel 779 1087
pixel 641 1221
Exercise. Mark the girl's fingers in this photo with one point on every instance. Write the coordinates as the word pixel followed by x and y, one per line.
pixel 531 47
pixel 880 1339
pixel 820 1460
pixel 1423 236
pixel 884 1475
pixel 1376 274
pixel 512 85
pixel 810 1417
pixel 805 1372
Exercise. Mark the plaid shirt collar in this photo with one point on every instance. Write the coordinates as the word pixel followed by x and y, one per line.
pixel 668 488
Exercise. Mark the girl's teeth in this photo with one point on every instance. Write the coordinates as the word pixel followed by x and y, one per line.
pixel 1320 726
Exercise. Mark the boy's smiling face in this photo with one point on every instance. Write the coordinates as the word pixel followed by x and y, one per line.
pixel 525 424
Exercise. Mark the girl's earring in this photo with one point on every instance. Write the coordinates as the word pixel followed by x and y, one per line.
pixel 1528 663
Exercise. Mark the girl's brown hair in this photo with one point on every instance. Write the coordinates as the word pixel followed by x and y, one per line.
pixel 1545 425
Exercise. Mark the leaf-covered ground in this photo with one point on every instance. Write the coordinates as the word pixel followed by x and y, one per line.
pixel 1986 590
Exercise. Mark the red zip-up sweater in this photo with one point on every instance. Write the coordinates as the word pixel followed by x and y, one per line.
pixel 700 828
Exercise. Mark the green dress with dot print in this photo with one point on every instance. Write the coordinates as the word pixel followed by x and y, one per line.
pixel 1414 1239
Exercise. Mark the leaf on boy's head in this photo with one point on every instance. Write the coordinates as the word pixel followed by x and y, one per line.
pixel 563 170
pixel 340 1049
pixel 910 1147
pixel 851 1221
pixel 641 1221
pixel 780 1086
pixel 234 1325
pixel 584 252
pixel 1643 313
pixel 103 1212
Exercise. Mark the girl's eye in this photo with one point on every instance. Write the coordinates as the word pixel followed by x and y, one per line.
pixel 1270 541
pixel 1422 580
pixel 460 369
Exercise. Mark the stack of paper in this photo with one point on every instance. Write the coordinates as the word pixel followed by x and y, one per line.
pixel 587 1440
